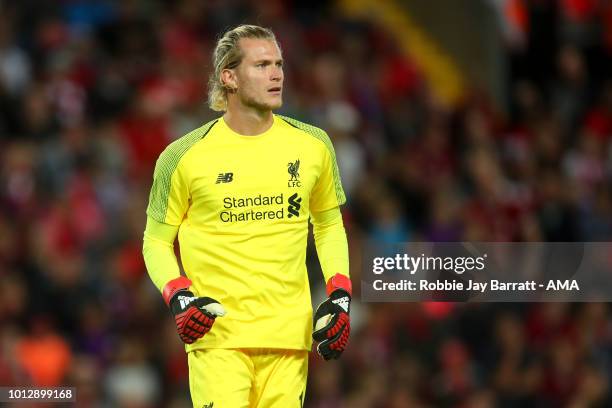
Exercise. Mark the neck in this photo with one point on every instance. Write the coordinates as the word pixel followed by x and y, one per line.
pixel 248 122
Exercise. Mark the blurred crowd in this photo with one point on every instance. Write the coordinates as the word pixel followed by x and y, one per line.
pixel 92 91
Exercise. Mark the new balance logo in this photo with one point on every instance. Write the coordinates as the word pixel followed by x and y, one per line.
pixel 343 302
pixel 294 206
pixel 209 405
pixel 225 178
pixel 185 300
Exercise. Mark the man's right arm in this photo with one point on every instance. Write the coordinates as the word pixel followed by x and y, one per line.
pixel 158 252
pixel 168 204
pixel 194 316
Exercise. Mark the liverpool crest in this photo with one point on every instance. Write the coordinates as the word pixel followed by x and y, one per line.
pixel 293 169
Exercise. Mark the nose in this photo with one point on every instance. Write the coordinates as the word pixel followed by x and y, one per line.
pixel 277 74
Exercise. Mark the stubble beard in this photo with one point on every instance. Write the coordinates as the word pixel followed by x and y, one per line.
pixel 260 105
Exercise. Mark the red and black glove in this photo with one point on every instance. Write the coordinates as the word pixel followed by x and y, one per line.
pixel 194 316
pixel 332 322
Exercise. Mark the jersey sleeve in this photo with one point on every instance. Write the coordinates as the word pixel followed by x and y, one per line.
pixel 169 197
pixel 331 242
pixel 327 192
pixel 158 252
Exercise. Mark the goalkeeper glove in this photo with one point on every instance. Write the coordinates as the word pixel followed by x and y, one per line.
pixel 194 316
pixel 332 323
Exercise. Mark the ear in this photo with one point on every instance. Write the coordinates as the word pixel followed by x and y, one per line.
pixel 229 79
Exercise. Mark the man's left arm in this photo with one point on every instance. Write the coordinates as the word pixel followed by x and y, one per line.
pixel 332 318
pixel 331 243
pixel 331 325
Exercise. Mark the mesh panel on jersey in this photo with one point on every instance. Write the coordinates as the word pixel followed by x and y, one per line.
pixel 165 167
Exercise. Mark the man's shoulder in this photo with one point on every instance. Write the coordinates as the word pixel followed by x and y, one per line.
pixel 303 126
pixel 306 128
pixel 183 143
pixel 177 149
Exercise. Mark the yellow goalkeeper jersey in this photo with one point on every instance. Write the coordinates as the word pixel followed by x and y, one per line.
pixel 243 204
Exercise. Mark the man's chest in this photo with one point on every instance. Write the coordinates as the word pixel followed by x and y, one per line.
pixel 258 183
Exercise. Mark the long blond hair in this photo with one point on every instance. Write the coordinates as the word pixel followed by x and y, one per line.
pixel 228 54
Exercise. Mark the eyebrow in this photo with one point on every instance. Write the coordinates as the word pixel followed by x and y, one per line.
pixel 267 60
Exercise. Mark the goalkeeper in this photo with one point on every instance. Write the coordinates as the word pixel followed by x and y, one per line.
pixel 239 192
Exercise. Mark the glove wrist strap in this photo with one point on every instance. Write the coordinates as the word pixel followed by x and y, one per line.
pixel 339 281
pixel 174 286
